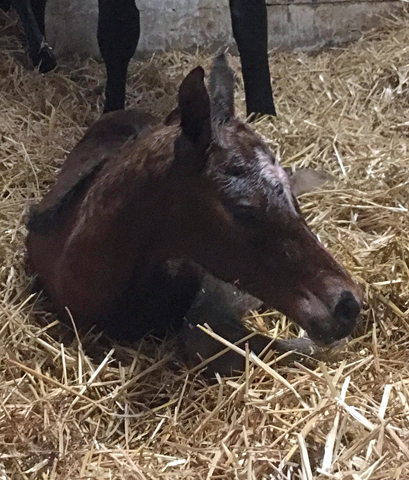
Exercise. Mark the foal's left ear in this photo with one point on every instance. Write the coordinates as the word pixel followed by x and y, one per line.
pixel 194 110
pixel 194 104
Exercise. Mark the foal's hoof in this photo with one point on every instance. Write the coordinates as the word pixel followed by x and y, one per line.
pixel 304 350
pixel 44 60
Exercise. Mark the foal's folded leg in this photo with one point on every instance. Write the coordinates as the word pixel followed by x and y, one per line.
pixel 222 307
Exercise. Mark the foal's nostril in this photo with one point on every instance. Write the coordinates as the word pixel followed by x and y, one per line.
pixel 342 322
pixel 347 308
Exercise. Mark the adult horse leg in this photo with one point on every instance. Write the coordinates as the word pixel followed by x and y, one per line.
pixel 38 8
pixel 118 36
pixel 40 53
pixel 249 21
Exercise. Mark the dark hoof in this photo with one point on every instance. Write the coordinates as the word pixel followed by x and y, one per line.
pixel 44 60
pixel 113 106
pixel 5 5
pixel 256 111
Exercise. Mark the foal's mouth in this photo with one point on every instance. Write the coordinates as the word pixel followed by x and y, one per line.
pixel 331 331
pixel 323 340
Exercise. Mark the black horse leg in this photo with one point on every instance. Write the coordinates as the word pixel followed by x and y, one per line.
pixel 249 21
pixel 38 8
pixel 40 53
pixel 118 36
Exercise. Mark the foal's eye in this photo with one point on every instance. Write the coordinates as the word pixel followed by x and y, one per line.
pixel 279 189
pixel 235 171
pixel 245 214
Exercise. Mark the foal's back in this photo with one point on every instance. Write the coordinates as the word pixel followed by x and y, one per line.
pixel 103 142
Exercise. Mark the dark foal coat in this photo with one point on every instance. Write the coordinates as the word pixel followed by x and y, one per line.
pixel 143 209
pixel 118 36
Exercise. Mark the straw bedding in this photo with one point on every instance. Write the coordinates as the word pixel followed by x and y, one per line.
pixel 137 413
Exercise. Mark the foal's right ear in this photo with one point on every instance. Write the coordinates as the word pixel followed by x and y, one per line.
pixel 221 91
pixel 194 111
pixel 305 180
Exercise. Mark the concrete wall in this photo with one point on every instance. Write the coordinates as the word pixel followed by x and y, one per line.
pixel 185 24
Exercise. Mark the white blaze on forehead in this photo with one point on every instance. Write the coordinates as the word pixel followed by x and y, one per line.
pixel 274 174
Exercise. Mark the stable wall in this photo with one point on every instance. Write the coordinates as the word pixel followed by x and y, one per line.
pixel 186 24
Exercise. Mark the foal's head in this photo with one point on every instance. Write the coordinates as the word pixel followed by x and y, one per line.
pixel 245 223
